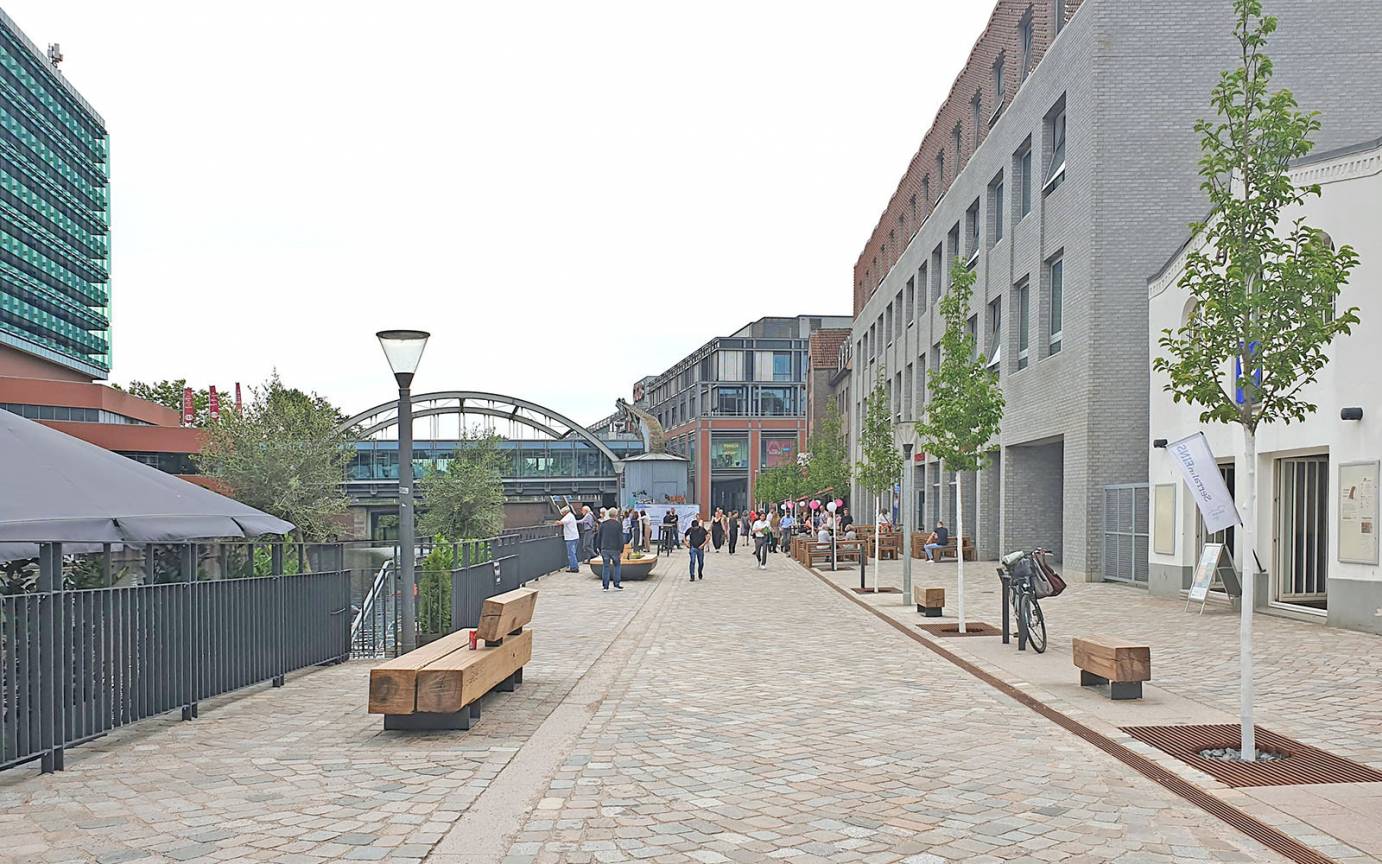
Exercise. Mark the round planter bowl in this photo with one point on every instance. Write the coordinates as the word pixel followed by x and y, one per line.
pixel 629 569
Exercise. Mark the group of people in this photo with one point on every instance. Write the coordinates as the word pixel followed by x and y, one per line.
pixel 764 529
pixel 608 535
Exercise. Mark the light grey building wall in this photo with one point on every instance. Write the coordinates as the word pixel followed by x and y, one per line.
pixel 1132 79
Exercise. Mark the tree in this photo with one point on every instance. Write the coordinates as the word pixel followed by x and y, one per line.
pixel 168 393
pixel 827 463
pixel 1262 296
pixel 881 467
pixel 465 501
pixel 783 483
pixel 966 405
pixel 285 454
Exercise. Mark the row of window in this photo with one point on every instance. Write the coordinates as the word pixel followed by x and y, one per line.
pixel 69 414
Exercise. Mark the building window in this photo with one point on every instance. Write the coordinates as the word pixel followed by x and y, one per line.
pixel 972 329
pixel 1058 15
pixel 976 116
pixel 937 265
pixel 996 208
pixel 1056 274
pixel 777 450
pixel 895 397
pixel 907 406
pixel 897 322
pixel 1022 166
pixel 954 245
pixel 888 326
pixel 1025 33
pixel 921 383
pixel 921 288
pixel 731 401
pixel 911 300
pixel 1055 137
pixel 956 137
pixel 777 401
pixel 731 366
pixel 729 452
pixel 998 94
pixel 940 175
pixel 972 225
pixel 995 332
pixel 1022 300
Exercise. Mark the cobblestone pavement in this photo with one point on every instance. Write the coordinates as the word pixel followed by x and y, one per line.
pixel 302 773
pixel 769 719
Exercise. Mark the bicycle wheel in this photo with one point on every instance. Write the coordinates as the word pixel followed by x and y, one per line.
pixel 1036 623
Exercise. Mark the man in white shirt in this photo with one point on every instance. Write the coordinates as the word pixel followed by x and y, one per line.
pixel 571 536
pixel 760 541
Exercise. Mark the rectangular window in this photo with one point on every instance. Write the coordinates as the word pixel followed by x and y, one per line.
pixel 937 265
pixel 954 245
pixel 1057 277
pixel 731 401
pixel 1025 31
pixel 897 322
pixel 972 330
pixel 1022 301
pixel 921 383
pixel 1055 136
pixel 1058 14
pixel 729 452
pixel 956 137
pixel 777 401
pixel 994 347
pixel 1022 165
pixel 921 288
pixel 731 366
pixel 996 209
pixel 976 116
pixel 972 224
pixel 940 175
pixel 926 189
pixel 936 356
pixel 895 394
pixel 911 300
pixel 907 406
pixel 777 450
pixel 888 325
pixel 998 94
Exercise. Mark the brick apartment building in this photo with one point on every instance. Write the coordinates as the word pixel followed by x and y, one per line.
pixel 1062 169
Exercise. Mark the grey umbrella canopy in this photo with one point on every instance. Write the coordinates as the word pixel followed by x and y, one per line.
pixel 56 488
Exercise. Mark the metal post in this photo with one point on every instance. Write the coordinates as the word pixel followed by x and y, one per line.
pixel 905 541
pixel 1007 622
pixel 189 683
pixel 405 514
pixel 280 644
pixel 52 735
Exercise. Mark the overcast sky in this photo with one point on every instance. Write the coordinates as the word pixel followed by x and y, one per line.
pixel 568 195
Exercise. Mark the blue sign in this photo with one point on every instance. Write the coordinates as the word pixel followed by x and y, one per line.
pixel 1253 348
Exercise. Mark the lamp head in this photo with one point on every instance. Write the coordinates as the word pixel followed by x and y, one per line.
pixel 403 350
pixel 1351 414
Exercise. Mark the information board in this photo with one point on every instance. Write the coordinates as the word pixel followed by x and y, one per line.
pixel 1358 512
pixel 1215 560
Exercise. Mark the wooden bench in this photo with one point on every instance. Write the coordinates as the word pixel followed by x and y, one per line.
pixel 930 601
pixel 889 544
pixel 1118 663
pixel 439 686
pixel 845 550
pixel 946 551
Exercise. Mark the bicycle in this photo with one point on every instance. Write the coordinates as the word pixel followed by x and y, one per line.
pixel 1030 620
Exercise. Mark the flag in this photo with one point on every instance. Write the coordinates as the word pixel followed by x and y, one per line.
pixel 1201 473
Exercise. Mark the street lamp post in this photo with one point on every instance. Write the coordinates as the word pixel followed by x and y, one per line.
pixel 905 542
pixel 403 350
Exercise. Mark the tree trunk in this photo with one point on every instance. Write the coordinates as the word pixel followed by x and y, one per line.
pixel 1248 568
pixel 877 539
pixel 960 545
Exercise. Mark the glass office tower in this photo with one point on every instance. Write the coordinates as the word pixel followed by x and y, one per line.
pixel 54 213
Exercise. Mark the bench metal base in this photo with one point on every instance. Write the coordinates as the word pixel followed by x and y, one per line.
pixel 929 611
pixel 429 720
pixel 1116 689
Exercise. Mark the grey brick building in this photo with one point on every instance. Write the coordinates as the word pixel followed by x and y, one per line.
pixel 1071 127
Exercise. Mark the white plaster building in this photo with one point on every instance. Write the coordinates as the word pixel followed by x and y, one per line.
pixel 1298 526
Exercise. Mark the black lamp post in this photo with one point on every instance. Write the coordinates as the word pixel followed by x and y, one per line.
pixel 403 349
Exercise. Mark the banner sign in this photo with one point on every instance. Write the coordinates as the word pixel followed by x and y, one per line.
pixel 1201 473
pixel 237 397
pixel 188 413
pixel 214 403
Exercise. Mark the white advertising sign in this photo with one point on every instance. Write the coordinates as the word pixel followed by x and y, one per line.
pixel 1201 473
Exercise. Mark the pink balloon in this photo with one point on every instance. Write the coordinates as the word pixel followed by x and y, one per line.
pixel 815 505
pixel 788 504
pixel 839 502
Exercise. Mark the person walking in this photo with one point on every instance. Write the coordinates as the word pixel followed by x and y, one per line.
pixel 695 544
pixel 759 530
pixel 571 536
pixel 774 530
pixel 717 529
pixel 788 525
pixel 587 529
pixel 733 530
pixel 611 549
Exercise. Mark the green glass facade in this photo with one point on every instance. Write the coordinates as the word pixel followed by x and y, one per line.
pixel 54 213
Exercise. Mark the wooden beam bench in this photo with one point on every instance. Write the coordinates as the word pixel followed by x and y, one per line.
pixel 1120 664
pixel 930 601
pixel 440 685
pixel 945 552
pixel 845 550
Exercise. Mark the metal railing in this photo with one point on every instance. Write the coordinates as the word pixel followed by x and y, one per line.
pixel 78 662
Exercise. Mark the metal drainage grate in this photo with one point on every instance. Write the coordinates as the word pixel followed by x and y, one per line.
pixel 1301 763
pixel 886 589
pixel 972 628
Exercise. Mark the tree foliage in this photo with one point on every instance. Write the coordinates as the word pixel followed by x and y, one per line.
pixel 1260 295
pixel 466 500
pixel 168 393
pixel 827 464
pixel 783 483
pixel 881 466
pixel 285 454
pixel 966 405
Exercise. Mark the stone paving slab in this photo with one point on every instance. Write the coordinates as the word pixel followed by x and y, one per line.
pixel 769 719
pixel 301 773
pixel 1314 684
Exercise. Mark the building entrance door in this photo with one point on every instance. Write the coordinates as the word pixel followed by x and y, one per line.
pixel 1300 542
pixel 729 495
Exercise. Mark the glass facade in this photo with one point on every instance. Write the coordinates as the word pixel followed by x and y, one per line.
pixel 54 213
pixel 378 460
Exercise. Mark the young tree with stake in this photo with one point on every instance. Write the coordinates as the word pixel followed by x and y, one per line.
pixel 966 405
pixel 1263 295
pixel 882 465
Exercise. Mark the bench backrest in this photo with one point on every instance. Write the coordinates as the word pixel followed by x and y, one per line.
pixel 504 613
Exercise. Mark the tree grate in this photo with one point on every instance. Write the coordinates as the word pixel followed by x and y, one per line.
pixel 1300 763
pixel 952 629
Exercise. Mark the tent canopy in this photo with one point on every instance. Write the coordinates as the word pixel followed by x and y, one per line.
pixel 56 488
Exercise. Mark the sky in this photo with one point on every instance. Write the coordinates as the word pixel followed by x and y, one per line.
pixel 567 195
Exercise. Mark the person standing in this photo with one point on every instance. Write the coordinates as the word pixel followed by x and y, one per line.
pixel 695 543
pixel 733 530
pixel 611 549
pixel 759 530
pixel 571 536
pixel 587 528
pixel 717 529
pixel 668 538
pixel 645 529
pixel 788 524
pixel 774 529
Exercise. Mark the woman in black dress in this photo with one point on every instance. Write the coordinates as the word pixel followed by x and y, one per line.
pixel 717 529
pixel 733 530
